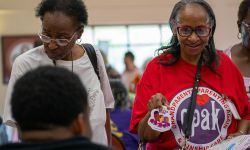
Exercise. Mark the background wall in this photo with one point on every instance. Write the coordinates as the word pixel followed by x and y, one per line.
pixel 17 17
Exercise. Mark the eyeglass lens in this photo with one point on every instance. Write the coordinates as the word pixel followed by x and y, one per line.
pixel 187 31
pixel 60 42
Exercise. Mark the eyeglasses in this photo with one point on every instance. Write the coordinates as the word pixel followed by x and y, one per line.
pixel 60 42
pixel 246 25
pixel 186 31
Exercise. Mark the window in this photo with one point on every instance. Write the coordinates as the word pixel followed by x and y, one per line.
pixel 115 40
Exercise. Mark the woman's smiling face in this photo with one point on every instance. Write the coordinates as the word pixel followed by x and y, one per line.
pixel 192 30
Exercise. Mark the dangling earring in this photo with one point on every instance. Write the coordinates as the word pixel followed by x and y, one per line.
pixel 239 35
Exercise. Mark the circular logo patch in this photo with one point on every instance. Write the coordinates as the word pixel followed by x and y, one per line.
pixel 211 119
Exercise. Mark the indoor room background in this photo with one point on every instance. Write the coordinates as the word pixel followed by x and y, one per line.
pixel 116 26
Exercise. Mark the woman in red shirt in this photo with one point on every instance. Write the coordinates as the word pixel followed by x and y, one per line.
pixel 202 88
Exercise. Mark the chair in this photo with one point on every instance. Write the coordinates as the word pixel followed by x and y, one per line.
pixel 117 143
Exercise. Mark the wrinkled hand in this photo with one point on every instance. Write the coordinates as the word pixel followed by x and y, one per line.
pixel 157 101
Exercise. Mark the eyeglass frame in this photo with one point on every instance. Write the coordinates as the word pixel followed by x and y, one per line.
pixel 57 40
pixel 194 30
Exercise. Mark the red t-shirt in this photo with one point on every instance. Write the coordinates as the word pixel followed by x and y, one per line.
pixel 212 120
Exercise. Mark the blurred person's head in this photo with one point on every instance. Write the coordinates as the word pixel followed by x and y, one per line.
pixel 50 102
pixel 62 24
pixel 120 93
pixel 244 23
pixel 129 60
pixel 112 72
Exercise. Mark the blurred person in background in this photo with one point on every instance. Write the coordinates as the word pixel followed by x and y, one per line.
pixel 240 53
pixel 131 75
pixel 121 115
pixel 111 71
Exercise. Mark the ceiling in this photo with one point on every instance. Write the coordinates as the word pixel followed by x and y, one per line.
pixel 29 5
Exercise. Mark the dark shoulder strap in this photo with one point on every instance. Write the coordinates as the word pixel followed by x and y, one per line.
pixel 188 119
pixel 92 56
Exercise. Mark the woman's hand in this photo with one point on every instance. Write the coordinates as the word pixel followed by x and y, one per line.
pixel 243 128
pixel 157 101
pixel 146 133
